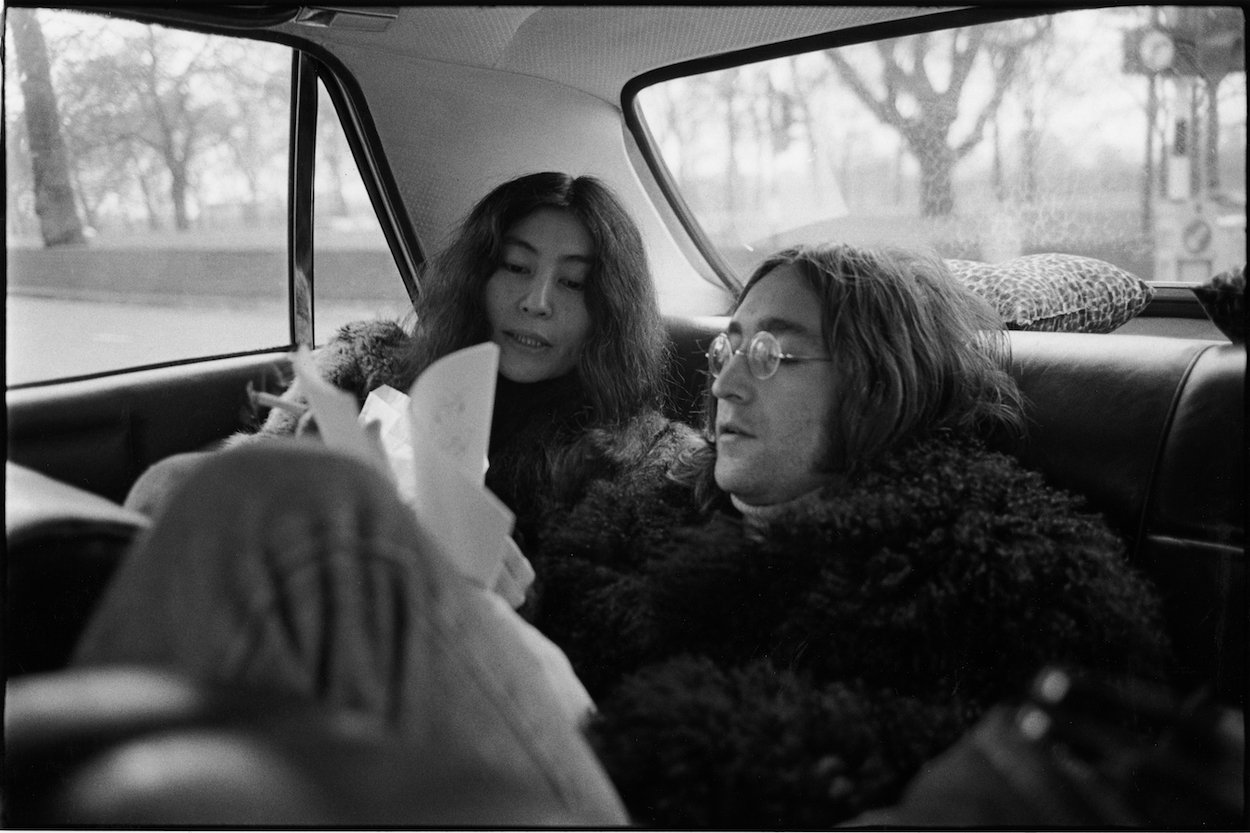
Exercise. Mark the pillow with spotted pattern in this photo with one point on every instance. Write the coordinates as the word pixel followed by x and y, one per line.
pixel 1057 292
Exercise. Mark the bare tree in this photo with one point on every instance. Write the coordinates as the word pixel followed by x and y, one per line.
pixel 805 87
pixel 676 122
pixel 253 143
pixel 727 93
pixel 54 195
pixel 1213 46
pixel 149 98
pixel 908 99
pixel 770 110
pixel 173 119
pixel 689 105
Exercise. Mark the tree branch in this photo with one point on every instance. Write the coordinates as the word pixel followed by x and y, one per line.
pixel 1003 76
pixel 921 85
pixel 882 109
pixel 963 60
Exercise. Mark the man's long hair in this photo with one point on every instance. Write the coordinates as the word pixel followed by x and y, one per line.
pixel 916 353
pixel 622 365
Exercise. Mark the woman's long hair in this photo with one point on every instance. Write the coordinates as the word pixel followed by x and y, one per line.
pixel 623 363
pixel 916 352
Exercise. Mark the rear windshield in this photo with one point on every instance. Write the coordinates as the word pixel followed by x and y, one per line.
pixel 1113 133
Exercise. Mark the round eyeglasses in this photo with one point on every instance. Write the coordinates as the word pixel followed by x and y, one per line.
pixel 763 354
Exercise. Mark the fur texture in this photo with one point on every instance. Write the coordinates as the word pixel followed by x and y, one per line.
pixel 362 355
pixel 544 446
pixel 798 675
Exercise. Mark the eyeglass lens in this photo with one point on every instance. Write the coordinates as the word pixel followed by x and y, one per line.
pixel 763 355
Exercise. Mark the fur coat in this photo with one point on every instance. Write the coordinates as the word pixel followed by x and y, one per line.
pixel 544 445
pixel 797 674
pixel 362 355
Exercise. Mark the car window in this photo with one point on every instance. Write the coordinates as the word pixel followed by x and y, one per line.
pixel 1115 133
pixel 146 194
pixel 148 200
pixel 355 273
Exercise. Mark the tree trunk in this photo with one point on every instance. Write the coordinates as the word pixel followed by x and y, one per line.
pixel 937 162
pixel 1152 116
pixel 1195 146
pixel 54 195
pixel 1028 154
pixel 815 154
pixel 150 202
pixel 88 207
pixel 1213 134
pixel 898 172
pixel 178 193
pixel 727 93
pixel 1000 188
pixel 805 117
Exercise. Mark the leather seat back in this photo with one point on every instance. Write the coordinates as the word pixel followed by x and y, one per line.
pixel 62 544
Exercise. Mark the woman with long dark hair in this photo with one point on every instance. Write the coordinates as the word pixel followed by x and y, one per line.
pixel 552 268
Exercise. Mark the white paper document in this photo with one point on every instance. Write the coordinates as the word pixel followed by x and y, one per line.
pixel 432 444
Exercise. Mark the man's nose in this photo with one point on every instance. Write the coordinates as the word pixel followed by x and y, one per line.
pixel 735 381
pixel 537 299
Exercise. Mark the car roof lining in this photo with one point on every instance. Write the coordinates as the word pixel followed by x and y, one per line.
pixel 596 49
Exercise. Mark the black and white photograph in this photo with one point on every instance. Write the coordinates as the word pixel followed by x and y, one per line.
pixel 678 417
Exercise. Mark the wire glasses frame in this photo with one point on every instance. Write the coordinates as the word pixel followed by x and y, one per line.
pixel 763 354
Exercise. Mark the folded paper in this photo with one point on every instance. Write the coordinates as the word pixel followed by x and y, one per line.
pixel 431 443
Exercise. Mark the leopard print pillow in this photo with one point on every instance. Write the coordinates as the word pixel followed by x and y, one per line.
pixel 1057 292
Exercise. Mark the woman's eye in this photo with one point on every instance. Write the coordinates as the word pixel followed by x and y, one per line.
pixel 514 268
pixel 576 284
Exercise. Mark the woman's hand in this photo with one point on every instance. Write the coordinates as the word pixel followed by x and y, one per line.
pixel 516 576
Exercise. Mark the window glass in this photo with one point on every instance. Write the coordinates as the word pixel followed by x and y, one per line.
pixel 354 273
pixel 1115 133
pixel 146 194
